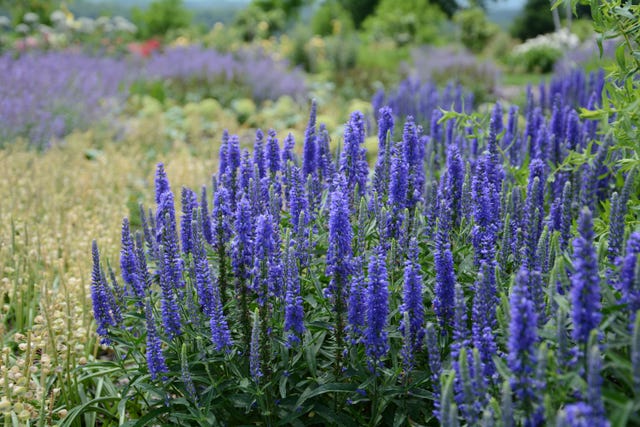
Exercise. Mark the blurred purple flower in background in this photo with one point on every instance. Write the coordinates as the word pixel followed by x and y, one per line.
pixel 265 78
pixel 44 96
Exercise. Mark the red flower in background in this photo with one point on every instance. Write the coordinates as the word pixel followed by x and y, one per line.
pixel 144 49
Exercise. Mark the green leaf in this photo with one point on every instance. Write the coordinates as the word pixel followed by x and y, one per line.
pixel 89 407
pixel 591 115
pixel 283 386
pixel 335 418
pixel 620 417
pixel 399 419
pixel 621 58
pixel 624 12
pixel 325 388
pixel 149 417
pixel 502 368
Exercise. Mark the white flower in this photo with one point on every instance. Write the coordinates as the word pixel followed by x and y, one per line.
pixel 45 29
pixel 4 21
pixel 85 25
pixel 560 40
pixel 22 28
pixel 30 18
pixel 124 25
pixel 102 21
pixel 58 16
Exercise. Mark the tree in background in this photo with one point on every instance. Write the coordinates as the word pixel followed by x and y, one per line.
pixel 161 17
pixel 264 18
pixel 290 8
pixel 449 7
pixel 255 23
pixel 475 28
pixel 331 18
pixel 18 8
pixel 405 22
pixel 359 9
pixel 535 19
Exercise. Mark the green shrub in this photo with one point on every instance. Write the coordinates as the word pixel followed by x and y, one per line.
pixel 223 38
pixel 359 9
pixel 160 17
pixel 331 18
pixel 376 66
pixel 499 47
pixel 341 52
pixel 329 54
pixel 405 22
pixel 583 28
pixel 299 54
pixel 538 59
pixel 617 19
pixel 535 19
pixel 18 9
pixel 256 23
pixel 476 30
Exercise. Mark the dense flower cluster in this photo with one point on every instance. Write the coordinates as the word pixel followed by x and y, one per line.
pixel 266 78
pixel 562 40
pixel 46 95
pixel 440 275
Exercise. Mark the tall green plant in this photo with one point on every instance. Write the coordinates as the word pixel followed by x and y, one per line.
pixel 617 19
pixel 161 17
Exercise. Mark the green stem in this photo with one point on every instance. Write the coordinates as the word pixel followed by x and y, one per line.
pixel 374 398
pixel 222 265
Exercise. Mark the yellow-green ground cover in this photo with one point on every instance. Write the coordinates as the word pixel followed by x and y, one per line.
pixel 52 205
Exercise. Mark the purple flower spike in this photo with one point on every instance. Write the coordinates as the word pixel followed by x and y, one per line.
pixel 255 367
pixel 485 301
pixel 629 283
pixel 443 303
pixel 162 183
pixel 309 160
pixel 293 310
pixel 298 203
pixel 383 164
pixel 189 204
pixel 412 305
pixel 585 282
pixel 102 310
pixel 155 359
pixel 455 176
pixel 353 159
pixel 206 220
pixel 375 336
pixel 128 257
pixel 356 304
pixel 259 159
pixel 339 253
pixel 242 244
pixel 414 153
pixel 272 153
pixel 522 340
pixel 263 257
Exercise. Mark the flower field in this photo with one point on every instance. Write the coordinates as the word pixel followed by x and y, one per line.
pixel 196 237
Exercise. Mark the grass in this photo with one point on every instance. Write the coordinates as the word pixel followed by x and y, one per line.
pixel 53 205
